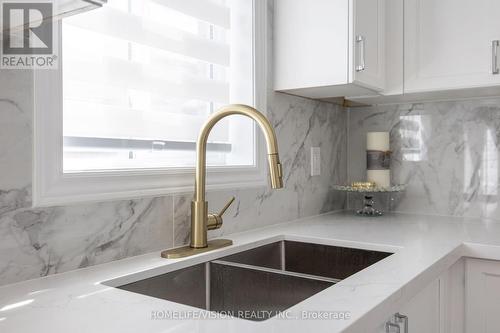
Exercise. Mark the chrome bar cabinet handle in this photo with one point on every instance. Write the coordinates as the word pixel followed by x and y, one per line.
pixel 360 40
pixel 494 57
pixel 402 318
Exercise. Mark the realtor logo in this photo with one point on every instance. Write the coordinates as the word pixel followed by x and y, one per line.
pixel 27 35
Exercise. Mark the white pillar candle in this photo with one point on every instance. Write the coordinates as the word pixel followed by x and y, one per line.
pixel 378 141
pixel 382 178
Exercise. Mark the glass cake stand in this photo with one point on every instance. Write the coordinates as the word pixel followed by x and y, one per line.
pixel 368 193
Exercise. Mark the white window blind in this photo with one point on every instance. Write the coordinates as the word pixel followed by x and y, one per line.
pixel 141 76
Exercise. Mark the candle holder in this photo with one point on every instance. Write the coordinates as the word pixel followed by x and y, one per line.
pixel 368 209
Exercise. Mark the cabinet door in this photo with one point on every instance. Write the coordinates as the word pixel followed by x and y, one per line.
pixel 423 310
pixel 482 298
pixel 311 43
pixel 448 44
pixel 368 56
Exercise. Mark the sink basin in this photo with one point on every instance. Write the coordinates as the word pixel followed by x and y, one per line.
pixel 321 260
pixel 260 283
pixel 250 293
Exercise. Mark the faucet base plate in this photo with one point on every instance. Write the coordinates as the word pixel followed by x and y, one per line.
pixel 187 251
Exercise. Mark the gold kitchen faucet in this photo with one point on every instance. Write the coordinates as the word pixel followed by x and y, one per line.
pixel 201 220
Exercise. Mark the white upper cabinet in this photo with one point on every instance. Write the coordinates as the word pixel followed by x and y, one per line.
pixel 329 48
pixel 70 7
pixel 449 44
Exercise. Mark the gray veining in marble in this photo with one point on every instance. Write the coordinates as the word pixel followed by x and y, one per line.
pixel 38 242
pixel 448 153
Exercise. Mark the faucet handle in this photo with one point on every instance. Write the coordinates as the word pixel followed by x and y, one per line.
pixel 215 220
pixel 223 210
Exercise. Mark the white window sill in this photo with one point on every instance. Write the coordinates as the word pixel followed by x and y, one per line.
pixel 78 188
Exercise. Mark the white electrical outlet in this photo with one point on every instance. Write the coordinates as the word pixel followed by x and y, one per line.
pixel 315 161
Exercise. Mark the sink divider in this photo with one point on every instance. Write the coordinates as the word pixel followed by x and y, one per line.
pixel 276 271
pixel 207 285
pixel 282 255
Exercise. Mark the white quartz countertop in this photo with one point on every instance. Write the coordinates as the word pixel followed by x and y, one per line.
pixel 424 246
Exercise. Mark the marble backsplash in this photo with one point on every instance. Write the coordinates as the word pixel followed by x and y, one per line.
pixel 447 153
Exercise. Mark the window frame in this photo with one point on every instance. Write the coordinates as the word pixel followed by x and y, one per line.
pixel 51 186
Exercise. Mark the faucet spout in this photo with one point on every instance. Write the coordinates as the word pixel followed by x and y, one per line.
pixel 199 207
pixel 275 170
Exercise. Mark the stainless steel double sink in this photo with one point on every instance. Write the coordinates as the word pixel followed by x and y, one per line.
pixel 258 283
